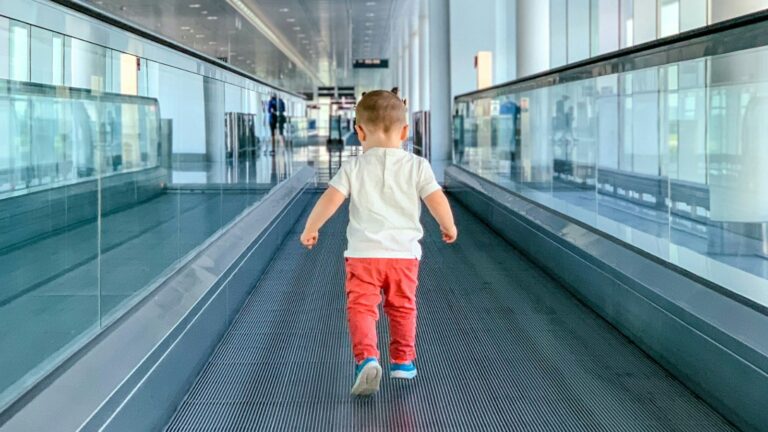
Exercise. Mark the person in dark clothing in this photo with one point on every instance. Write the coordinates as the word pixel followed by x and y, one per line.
pixel 272 111
pixel 281 118
pixel 277 119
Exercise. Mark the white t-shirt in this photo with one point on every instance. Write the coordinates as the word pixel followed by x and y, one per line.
pixel 385 187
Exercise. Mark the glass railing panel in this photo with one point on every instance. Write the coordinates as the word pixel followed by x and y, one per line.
pixel 49 236
pixel 669 158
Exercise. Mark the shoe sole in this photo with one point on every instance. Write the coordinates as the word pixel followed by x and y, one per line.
pixel 367 382
pixel 403 374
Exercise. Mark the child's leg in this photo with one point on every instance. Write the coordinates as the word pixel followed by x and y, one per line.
pixel 363 297
pixel 400 307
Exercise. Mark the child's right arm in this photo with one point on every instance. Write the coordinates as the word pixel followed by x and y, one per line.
pixel 326 206
pixel 438 206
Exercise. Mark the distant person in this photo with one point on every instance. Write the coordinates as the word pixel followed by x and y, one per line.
pixel 281 117
pixel 272 108
pixel 385 186
pixel 354 123
pixel 396 92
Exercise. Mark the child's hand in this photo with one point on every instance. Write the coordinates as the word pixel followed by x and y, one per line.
pixel 309 239
pixel 449 234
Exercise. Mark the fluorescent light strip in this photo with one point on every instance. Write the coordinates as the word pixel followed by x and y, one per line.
pixel 262 27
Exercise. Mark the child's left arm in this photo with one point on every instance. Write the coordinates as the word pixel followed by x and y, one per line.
pixel 325 207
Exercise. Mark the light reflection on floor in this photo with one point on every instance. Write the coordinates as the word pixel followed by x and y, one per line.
pixel 266 166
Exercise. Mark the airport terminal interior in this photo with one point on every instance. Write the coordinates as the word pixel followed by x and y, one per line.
pixel 606 162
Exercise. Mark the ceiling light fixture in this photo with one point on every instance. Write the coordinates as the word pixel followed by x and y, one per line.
pixel 194 5
pixel 297 28
pixel 284 10
pixel 211 43
pixel 370 14
pixel 204 12
pixel 290 19
pixel 368 24
pixel 257 18
pixel 200 36
pixel 371 3
pixel 212 18
pixel 185 28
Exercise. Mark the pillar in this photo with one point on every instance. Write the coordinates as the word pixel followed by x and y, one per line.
pixel 440 86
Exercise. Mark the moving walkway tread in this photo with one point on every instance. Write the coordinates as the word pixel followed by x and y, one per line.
pixel 501 347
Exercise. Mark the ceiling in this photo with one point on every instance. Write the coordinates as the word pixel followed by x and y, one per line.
pixel 295 44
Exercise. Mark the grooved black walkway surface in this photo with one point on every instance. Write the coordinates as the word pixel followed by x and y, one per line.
pixel 501 347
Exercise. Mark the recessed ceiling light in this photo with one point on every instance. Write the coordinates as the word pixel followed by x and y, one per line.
pixel 369 31
pixel 290 19
pixel 297 28
pixel 370 3
pixel 185 28
pixel 194 5
pixel 368 24
pixel 212 18
pixel 211 43
pixel 240 58
pixel 300 35
pixel 204 12
pixel 370 14
pixel 285 10
pixel 200 36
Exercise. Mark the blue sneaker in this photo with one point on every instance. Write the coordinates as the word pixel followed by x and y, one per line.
pixel 367 377
pixel 402 370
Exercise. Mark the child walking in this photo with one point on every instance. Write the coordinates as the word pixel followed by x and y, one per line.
pixel 385 186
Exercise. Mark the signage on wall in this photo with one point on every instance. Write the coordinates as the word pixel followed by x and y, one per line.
pixel 371 63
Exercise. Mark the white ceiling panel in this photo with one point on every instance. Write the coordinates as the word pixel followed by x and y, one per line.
pixel 321 37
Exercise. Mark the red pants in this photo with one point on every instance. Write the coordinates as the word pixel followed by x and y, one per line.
pixel 366 279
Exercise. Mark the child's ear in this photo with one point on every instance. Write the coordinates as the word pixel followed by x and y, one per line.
pixel 404 133
pixel 360 133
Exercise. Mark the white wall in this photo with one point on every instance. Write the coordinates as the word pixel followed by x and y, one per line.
pixel 482 25
pixel 181 98
pixel 532 37
pixel 727 9
pixel 472 30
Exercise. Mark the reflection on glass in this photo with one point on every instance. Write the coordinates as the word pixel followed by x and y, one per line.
pixel 113 170
pixel 670 159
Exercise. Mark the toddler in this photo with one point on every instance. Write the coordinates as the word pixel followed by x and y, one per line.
pixel 385 186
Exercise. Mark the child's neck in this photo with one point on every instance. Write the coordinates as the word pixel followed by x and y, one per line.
pixel 381 144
